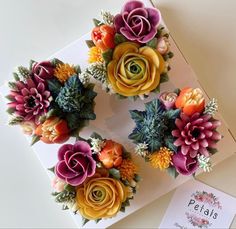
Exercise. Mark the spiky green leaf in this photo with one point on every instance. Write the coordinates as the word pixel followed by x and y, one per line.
pixel 90 43
pixel 107 55
pixel 52 169
pixel 173 114
pixel 96 135
pixel 137 178
pixel 152 43
pixel 119 38
pixel 172 172
pixel 16 76
pixel 164 78
pixel 84 221
pixel 56 62
pixel 35 138
pixel 115 173
pixel 54 86
pixel 31 63
pixel 97 22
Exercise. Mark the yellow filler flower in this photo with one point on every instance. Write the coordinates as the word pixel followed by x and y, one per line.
pixel 161 159
pixel 95 55
pixel 63 72
pixel 127 169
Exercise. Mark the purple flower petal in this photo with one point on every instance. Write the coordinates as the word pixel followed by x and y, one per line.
pixel 62 151
pixel 62 170
pixel 77 180
pixel 92 167
pixel 148 37
pixel 128 34
pixel 118 22
pixel 155 16
pixel 131 5
pixel 82 146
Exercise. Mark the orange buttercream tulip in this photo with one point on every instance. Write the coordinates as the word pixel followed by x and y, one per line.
pixel 53 130
pixel 190 101
pixel 103 37
pixel 111 154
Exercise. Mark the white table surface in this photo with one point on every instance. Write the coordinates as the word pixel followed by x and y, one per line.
pixel 30 29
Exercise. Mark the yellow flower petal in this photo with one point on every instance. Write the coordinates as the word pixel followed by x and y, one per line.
pixel 125 47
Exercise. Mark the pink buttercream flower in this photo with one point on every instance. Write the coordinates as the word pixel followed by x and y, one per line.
pixel 75 163
pixel 28 127
pixel 136 22
pixel 168 99
pixel 196 134
pixel 30 100
pixel 58 184
pixel 163 45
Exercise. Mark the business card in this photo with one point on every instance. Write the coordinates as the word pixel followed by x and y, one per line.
pixel 197 205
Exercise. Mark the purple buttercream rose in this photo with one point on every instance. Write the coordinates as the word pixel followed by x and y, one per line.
pixel 75 163
pixel 43 70
pixel 184 164
pixel 136 22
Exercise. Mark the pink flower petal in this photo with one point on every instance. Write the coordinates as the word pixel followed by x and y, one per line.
pixel 195 146
pixel 179 124
pixel 178 142
pixel 175 133
pixel 185 149
pixel 204 143
pixel 216 136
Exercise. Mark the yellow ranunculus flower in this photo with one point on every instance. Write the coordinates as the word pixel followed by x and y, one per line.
pixel 135 70
pixel 100 198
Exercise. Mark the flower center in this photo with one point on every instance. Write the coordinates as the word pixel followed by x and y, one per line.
pixel 196 133
pixel 98 194
pixel 134 68
pixel 31 102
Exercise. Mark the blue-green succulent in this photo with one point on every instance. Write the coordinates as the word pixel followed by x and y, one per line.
pixel 154 125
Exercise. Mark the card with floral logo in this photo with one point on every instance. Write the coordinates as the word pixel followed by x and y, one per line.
pixel 196 205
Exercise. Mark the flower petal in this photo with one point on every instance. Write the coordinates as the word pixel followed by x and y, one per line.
pixel 83 147
pixel 62 151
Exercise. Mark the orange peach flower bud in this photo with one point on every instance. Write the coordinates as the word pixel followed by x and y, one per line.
pixel 53 130
pixel 190 101
pixel 111 154
pixel 103 37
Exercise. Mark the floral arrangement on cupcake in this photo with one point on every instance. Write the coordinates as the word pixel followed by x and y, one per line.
pixel 50 100
pixel 177 131
pixel 129 52
pixel 95 178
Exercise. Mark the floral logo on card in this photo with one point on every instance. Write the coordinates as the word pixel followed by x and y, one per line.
pixel 197 221
pixel 208 198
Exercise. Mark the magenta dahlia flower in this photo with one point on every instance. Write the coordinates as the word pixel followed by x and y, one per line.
pixel 75 163
pixel 196 134
pixel 136 22
pixel 30 100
